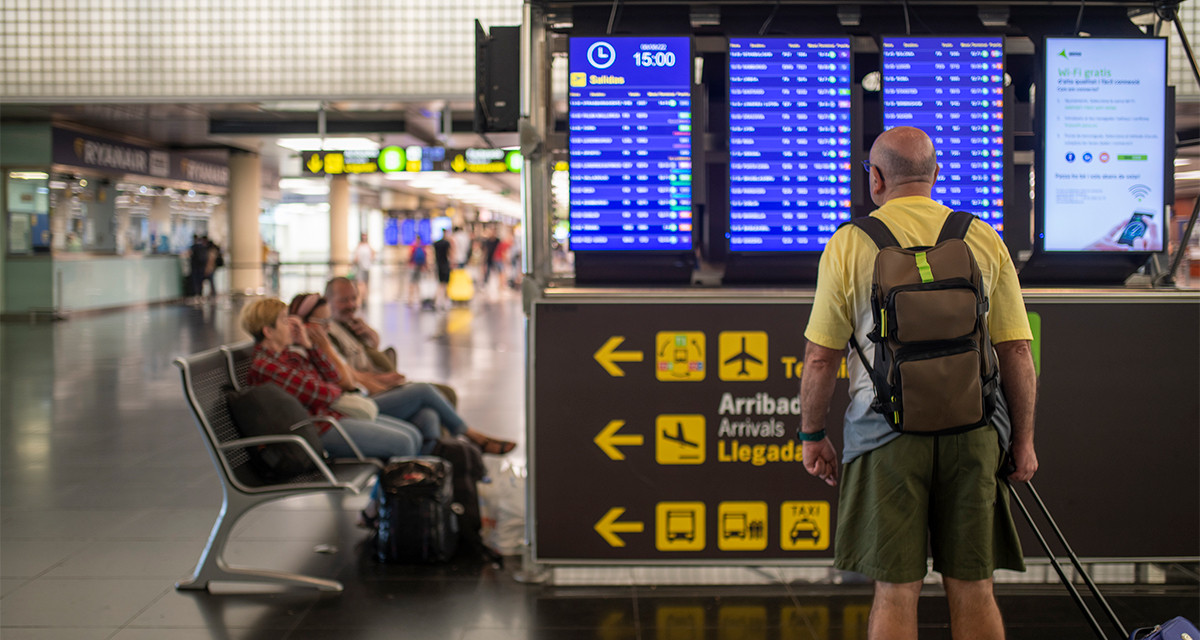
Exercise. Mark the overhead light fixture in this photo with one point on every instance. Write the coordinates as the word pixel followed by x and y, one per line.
pixel 291 105
pixel 304 186
pixel 329 144
pixel 29 175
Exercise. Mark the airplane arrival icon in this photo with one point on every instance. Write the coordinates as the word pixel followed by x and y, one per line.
pixel 742 357
pixel 680 437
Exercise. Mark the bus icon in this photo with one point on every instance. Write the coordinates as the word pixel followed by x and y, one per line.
pixel 681 525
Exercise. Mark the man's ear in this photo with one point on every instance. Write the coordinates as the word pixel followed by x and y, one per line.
pixel 879 185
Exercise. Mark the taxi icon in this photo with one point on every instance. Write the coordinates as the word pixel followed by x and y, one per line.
pixel 805 529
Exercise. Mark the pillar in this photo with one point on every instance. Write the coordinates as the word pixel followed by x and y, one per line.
pixel 245 242
pixel 339 224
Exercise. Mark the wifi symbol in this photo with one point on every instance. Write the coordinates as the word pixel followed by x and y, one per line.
pixel 1139 191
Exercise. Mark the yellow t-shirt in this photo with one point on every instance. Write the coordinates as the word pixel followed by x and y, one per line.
pixel 842 304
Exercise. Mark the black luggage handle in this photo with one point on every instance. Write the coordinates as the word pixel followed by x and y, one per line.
pixel 1007 469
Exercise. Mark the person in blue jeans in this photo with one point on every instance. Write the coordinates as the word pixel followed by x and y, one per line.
pixel 288 354
pixel 420 404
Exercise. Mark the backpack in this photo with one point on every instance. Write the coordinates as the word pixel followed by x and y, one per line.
pixel 418 255
pixel 935 369
pixel 418 520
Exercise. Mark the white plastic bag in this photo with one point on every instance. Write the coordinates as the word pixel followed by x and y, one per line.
pixel 502 506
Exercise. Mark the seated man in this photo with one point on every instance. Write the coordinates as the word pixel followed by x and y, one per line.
pixel 358 343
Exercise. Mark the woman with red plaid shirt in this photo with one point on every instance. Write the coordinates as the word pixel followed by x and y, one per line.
pixel 285 354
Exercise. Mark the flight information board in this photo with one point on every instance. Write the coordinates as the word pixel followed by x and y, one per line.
pixel 953 89
pixel 630 121
pixel 789 142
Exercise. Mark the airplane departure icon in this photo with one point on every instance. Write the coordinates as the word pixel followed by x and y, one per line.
pixel 742 357
pixel 679 436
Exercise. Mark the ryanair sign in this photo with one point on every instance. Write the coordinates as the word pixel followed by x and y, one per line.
pixel 93 152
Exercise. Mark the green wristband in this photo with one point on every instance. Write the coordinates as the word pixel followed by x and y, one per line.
pixel 810 437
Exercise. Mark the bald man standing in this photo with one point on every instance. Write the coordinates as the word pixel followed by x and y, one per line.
pixel 902 495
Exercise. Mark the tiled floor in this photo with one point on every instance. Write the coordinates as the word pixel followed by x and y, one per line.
pixel 107 496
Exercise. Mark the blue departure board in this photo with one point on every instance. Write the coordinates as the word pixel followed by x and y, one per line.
pixel 630 121
pixel 789 142
pixel 953 89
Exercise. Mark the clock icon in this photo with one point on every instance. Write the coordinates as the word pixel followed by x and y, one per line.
pixel 601 55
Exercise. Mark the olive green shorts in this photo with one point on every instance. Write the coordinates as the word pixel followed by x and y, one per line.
pixel 927 494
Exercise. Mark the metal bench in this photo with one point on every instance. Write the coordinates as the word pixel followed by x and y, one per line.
pixel 207 377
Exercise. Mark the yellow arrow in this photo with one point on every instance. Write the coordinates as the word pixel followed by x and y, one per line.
pixel 608 440
pixel 608 354
pixel 608 527
pixel 314 163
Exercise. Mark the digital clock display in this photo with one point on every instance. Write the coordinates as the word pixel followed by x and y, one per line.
pixel 952 88
pixel 630 122
pixel 789 142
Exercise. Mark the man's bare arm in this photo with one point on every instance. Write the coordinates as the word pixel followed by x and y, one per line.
pixel 816 391
pixel 1019 380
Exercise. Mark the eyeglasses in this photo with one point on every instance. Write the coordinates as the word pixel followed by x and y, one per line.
pixel 867 166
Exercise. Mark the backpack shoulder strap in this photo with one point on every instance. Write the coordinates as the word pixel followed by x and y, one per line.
pixel 879 232
pixel 956 226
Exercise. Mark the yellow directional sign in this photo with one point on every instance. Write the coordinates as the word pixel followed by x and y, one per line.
pixel 579 79
pixel 741 621
pixel 679 439
pixel 679 356
pixel 459 164
pixel 854 621
pixel 804 526
pixel 608 527
pixel 742 526
pixel 680 623
pixel 615 626
pixel 803 622
pixel 315 164
pixel 679 526
pixel 608 440
pixel 608 355
pixel 742 356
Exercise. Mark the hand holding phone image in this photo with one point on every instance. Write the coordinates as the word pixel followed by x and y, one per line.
pixel 1138 233
pixel 1136 228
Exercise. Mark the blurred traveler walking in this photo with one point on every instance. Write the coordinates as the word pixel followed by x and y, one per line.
pixel 416 264
pixel 460 249
pixel 364 257
pixel 441 260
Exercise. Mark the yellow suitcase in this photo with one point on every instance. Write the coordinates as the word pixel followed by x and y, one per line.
pixel 461 287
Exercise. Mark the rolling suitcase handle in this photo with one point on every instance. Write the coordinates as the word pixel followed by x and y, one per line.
pixel 1007 469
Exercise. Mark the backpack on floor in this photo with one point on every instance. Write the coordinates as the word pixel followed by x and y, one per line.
pixel 935 369
pixel 418 522
pixel 467 462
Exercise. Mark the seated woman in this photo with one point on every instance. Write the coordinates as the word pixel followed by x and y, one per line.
pixel 419 403
pixel 291 356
